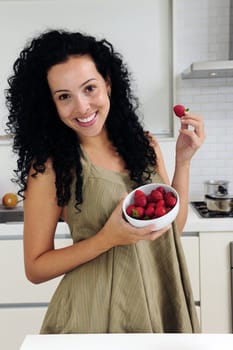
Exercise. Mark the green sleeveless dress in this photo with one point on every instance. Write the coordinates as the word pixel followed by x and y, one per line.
pixel 138 288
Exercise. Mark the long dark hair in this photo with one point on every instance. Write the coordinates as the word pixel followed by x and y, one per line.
pixel 39 134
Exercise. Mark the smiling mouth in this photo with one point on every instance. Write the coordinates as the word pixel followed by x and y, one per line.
pixel 88 120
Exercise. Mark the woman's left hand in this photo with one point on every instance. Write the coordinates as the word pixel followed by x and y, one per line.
pixel 191 137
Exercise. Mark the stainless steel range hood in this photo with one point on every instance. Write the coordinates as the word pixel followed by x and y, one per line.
pixel 209 69
pixel 214 69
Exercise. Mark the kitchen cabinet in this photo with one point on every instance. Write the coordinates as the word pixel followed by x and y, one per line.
pixel 17 322
pixel 11 257
pixel 215 235
pixel 215 281
pixel 191 250
pixel 190 243
pixel 208 260
pixel 22 304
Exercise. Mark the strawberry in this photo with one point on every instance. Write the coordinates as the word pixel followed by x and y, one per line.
pixel 138 212
pixel 168 195
pixel 140 201
pixel 171 201
pixel 129 209
pixel 161 189
pixel 150 212
pixel 156 195
pixel 160 203
pixel 180 110
pixel 160 211
pixel 138 193
pixel 151 204
pixel 149 198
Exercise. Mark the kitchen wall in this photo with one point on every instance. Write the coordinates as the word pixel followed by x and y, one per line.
pixel 200 33
pixel 7 165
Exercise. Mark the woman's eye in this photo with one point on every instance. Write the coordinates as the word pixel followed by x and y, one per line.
pixel 63 97
pixel 90 88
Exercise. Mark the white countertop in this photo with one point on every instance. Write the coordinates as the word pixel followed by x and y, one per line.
pixel 129 342
pixel 194 223
pixel 15 229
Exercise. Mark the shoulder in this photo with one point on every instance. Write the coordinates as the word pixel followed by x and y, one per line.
pixel 46 169
pixel 41 177
pixel 159 157
pixel 153 141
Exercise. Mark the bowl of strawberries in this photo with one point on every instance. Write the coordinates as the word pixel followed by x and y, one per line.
pixel 155 203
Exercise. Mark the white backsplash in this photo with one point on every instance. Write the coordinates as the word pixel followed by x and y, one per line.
pixel 202 33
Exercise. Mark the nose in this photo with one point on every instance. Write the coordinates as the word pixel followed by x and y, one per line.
pixel 82 105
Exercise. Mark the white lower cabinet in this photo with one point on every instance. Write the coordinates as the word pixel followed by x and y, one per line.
pixel 12 264
pixel 190 244
pixel 191 250
pixel 215 277
pixel 22 304
pixel 16 323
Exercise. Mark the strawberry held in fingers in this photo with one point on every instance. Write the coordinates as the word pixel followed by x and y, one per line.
pixel 180 110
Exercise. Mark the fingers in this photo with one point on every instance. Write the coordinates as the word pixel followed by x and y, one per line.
pixel 197 130
pixel 156 234
pixel 149 233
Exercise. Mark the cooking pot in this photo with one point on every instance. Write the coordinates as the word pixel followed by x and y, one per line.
pixel 217 188
pixel 219 203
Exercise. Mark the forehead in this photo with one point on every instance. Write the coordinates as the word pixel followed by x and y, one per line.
pixel 78 68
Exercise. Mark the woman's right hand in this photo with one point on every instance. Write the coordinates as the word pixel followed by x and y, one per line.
pixel 118 231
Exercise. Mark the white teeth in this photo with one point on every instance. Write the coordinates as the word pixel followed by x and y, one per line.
pixel 88 119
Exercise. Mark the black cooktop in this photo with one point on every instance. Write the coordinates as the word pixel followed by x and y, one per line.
pixel 202 210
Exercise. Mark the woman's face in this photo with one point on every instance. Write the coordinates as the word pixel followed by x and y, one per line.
pixel 80 94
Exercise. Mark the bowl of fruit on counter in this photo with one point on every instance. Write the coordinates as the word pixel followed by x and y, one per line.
pixel 155 203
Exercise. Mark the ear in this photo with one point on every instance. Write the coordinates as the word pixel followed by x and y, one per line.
pixel 108 85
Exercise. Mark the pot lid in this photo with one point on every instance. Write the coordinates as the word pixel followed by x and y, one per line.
pixel 216 182
pixel 222 197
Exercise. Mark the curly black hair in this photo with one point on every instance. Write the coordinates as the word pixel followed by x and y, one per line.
pixel 38 132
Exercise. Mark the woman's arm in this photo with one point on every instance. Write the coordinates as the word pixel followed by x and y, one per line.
pixel 188 142
pixel 41 213
pixel 191 136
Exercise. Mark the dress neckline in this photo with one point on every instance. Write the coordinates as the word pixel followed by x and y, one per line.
pixel 100 168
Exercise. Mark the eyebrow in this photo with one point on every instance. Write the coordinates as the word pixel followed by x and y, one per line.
pixel 65 90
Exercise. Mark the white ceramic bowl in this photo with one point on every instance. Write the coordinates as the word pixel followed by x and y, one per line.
pixel 159 222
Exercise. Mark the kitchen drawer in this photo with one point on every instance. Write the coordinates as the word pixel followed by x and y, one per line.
pixel 16 323
pixel 14 287
pixel 191 251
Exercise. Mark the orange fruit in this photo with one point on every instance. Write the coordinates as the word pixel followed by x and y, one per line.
pixel 10 200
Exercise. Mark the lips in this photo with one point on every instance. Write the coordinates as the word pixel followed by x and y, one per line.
pixel 87 121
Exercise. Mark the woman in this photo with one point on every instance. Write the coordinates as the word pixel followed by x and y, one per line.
pixel 81 148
